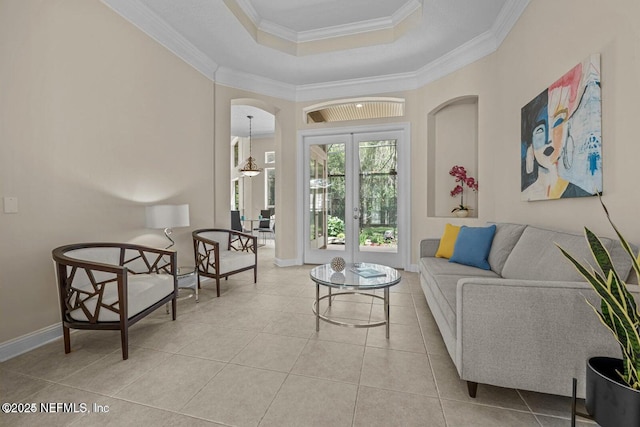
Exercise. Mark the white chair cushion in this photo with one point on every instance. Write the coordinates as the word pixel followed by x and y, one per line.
pixel 234 260
pixel 143 291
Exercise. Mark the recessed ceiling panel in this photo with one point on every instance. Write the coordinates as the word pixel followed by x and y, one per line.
pixel 210 32
pixel 307 15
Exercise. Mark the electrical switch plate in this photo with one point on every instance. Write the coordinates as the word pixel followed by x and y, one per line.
pixel 10 204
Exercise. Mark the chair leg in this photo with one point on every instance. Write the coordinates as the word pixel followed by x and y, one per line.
pixel 124 338
pixel 67 340
pixel 472 387
pixel 255 274
pixel 173 308
pixel 218 286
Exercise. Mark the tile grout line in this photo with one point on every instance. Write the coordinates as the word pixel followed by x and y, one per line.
pixel 433 374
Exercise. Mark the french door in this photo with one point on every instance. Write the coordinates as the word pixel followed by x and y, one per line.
pixel 354 195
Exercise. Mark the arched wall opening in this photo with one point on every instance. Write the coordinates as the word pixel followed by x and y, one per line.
pixel 252 196
pixel 452 140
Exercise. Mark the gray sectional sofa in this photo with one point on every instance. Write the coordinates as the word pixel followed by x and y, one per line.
pixel 523 324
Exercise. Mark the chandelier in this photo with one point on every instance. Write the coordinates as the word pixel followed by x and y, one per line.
pixel 250 168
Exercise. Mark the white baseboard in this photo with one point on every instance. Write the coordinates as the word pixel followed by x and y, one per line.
pixel 413 268
pixel 17 346
pixel 287 262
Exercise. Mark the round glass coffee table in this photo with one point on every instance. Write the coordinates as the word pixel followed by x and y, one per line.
pixel 359 278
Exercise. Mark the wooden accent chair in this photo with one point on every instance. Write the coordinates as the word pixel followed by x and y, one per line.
pixel 220 253
pixel 112 285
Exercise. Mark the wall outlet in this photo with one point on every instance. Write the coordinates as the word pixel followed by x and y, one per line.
pixel 10 204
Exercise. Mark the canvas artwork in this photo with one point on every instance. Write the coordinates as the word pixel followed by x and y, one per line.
pixel 561 137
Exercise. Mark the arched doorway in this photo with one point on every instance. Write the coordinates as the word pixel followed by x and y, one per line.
pixel 253 134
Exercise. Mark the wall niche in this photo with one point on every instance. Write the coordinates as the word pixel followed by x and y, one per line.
pixel 452 139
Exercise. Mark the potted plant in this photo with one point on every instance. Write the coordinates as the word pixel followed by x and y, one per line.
pixel 460 174
pixel 613 385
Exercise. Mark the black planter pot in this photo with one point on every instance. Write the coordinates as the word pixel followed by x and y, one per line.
pixel 610 402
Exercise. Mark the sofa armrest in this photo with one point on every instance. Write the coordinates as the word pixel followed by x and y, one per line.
pixel 526 334
pixel 429 247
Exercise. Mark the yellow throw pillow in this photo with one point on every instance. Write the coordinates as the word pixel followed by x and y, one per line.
pixel 448 241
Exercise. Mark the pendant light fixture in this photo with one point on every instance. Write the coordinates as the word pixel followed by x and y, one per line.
pixel 250 168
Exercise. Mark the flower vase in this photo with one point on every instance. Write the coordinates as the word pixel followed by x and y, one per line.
pixel 462 213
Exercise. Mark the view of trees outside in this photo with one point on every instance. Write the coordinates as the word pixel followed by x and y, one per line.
pixel 378 192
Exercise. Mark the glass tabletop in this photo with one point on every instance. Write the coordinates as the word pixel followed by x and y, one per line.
pixel 362 275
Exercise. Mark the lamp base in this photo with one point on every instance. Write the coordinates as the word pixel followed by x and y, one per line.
pixel 167 232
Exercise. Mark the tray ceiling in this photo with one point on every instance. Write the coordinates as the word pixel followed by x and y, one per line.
pixel 313 49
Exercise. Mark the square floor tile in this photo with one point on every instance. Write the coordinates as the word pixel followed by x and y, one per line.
pixel 173 383
pixel 292 324
pixel 330 360
pixel 219 343
pixel 268 351
pixel 15 387
pixel 459 414
pixel 238 395
pixel 346 310
pixel 376 407
pixel 310 402
pixel 337 333
pixel 50 362
pixel 549 404
pixel 452 387
pixel 401 337
pixel 397 370
pixel 111 374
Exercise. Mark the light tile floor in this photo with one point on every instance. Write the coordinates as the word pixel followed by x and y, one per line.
pixel 253 358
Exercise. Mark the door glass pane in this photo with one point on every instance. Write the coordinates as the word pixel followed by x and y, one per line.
pixel 378 191
pixel 317 196
pixel 336 192
pixel 327 197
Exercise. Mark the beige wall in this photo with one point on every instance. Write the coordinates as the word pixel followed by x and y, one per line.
pixel 549 39
pixel 96 121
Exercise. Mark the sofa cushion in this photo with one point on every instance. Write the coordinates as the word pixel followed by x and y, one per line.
pixel 445 297
pixel 235 260
pixel 430 266
pixel 448 241
pixel 536 256
pixel 506 237
pixel 473 246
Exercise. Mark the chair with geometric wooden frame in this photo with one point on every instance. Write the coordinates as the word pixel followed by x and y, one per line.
pixel 220 253
pixel 111 286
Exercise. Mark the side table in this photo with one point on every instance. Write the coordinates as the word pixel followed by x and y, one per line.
pixel 188 279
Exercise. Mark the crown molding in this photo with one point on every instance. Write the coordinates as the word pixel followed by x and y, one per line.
pixel 151 24
pixel 483 45
pixel 357 87
pixel 507 18
pixel 254 83
pixel 377 24
pixel 338 37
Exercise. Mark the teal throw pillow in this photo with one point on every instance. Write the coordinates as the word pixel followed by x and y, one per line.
pixel 473 245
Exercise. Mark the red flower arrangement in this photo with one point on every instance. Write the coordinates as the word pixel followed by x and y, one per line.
pixel 460 174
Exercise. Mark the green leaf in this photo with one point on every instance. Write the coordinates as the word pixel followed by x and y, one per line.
pixel 618 310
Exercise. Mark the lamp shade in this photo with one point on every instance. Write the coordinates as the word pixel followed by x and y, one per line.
pixel 167 216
